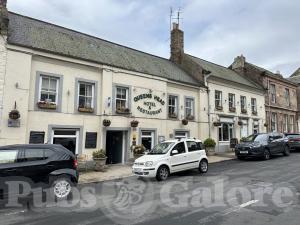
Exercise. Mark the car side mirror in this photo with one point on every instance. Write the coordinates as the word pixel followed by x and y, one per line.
pixel 174 152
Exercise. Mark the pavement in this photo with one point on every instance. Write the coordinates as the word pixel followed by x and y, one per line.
pixel 233 192
pixel 121 171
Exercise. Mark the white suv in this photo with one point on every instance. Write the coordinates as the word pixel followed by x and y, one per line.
pixel 170 157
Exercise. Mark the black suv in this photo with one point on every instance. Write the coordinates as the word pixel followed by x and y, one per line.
pixel 262 145
pixel 51 166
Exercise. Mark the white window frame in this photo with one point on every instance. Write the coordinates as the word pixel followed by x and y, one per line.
pixel 243 103
pixel 191 108
pixel 76 135
pixel 230 134
pixel 175 106
pixel 40 87
pixel 121 99
pixel 253 104
pixel 273 93
pixel 152 136
pixel 218 98
pixel 231 101
pixel 93 92
pixel 186 134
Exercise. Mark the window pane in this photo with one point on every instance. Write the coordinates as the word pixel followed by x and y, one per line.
pixel 34 154
pixel 225 132
pixel 192 146
pixel 8 156
pixel 45 83
pixel 52 97
pixel 81 101
pixel 64 132
pixel 44 96
pixel 53 84
pixel 89 90
pixel 180 148
pixel 82 89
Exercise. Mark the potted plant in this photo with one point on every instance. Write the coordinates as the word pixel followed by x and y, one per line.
pixel 106 123
pixel 123 111
pixel 134 123
pixel 240 123
pixel 138 151
pixel 14 114
pixel 172 115
pixel 100 159
pixel 190 117
pixel 217 123
pixel 210 145
pixel 232 109
pixel 46 105
pixel 244 111
pixel 219 108
pixel 185 122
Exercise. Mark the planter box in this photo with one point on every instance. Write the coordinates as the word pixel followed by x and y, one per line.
pixel 123 111
pixel 232 109
pixel 219 108
pixel 86 110
pixel 244 111
pixel 44 105
pixel 210 151
pixel 100 164
pixel 254 113
pixel 172 116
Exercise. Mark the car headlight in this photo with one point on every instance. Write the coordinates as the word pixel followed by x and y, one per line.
pixel 148 164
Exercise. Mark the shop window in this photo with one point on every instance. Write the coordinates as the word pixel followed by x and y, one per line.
pixel 225 132
pixel 273 93
pixel 122 100
pixel 147 139
pixel 48 91
pixel 86 95
pixel 173 106
pixel 274 122
pixel 189 109
pixel 218 100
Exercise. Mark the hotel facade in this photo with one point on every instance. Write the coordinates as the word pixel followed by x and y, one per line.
pixel 63 87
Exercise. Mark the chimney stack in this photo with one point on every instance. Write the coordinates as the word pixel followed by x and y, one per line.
pixel 239 62
pixel 3 17
pixel 177 44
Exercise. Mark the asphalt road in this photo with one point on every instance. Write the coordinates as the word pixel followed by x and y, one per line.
pixel 232 192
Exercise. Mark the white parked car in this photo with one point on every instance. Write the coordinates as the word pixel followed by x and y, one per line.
pixel 172 156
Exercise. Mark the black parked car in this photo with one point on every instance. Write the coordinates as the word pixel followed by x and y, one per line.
pixel 262 145
pixel 293 140
pixel 51 166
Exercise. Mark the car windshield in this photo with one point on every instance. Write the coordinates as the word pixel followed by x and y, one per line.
pixel 161 148
pixel 256 138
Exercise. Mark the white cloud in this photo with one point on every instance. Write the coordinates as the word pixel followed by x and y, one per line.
pixel 266 32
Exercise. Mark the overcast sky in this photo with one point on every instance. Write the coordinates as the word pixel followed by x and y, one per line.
pixel 266 32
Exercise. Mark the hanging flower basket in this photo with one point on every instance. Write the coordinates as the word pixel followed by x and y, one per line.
pixel 232 109
pixel 240 123
pixel 217 124
pixel 14 114
pixel 265 124
pixel 244 111
pixel 185 122
pixel 106 123
pixel 134 123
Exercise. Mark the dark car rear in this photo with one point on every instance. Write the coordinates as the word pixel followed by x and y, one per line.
pixel 293 140
pixel 37 165
pixel 262 145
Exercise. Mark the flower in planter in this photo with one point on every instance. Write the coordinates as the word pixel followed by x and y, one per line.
pixel 244 111
pixel 123 110
pixel 85 109
pixel 219 108
pixel 134 123
pixel 185 122
pixel 106 123
pixel 232 109
pixel 172 115
pixel 100 154
pixel 46 105
pixel 138 150
pixel 14 114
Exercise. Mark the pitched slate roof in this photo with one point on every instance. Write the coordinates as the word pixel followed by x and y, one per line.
pixel 296 73
pixel 39 35
pixel 223 72
pixel 295 79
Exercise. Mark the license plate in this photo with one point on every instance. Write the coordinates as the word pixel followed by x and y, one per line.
pixel 137 170
pixel 243 152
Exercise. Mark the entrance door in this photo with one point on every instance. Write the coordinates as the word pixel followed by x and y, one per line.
pixel 244 129
pixel 67 138
pixel 114 147
pixel 147 139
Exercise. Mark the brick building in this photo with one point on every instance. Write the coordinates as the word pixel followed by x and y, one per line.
pixel 280 96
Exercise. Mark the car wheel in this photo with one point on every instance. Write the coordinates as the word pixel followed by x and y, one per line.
pixel 203 166
pixel 286 151
pixel 61 187
pixel 162 173
pixel 267 154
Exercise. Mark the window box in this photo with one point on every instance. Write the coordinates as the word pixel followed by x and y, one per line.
pixel 172 116
pixel 219 108
pixel 123 111
pixel 232 109
pixel 185 122
pixel 244 111
pixel 240 123
pixel 254 113
pixel 46 105
pixel 85 110
pixel 190 117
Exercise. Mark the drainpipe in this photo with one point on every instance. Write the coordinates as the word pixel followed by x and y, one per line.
pixel 208 103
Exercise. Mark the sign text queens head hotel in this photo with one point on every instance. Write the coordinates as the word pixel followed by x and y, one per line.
pixel 151 104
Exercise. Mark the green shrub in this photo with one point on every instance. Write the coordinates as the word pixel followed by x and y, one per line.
pixel 139 150
pixel 99 154
pixel 209 143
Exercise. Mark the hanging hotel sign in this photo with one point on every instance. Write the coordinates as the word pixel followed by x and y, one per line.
pixel 152 104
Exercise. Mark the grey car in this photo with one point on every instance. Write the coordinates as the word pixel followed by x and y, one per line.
pixel 262 145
